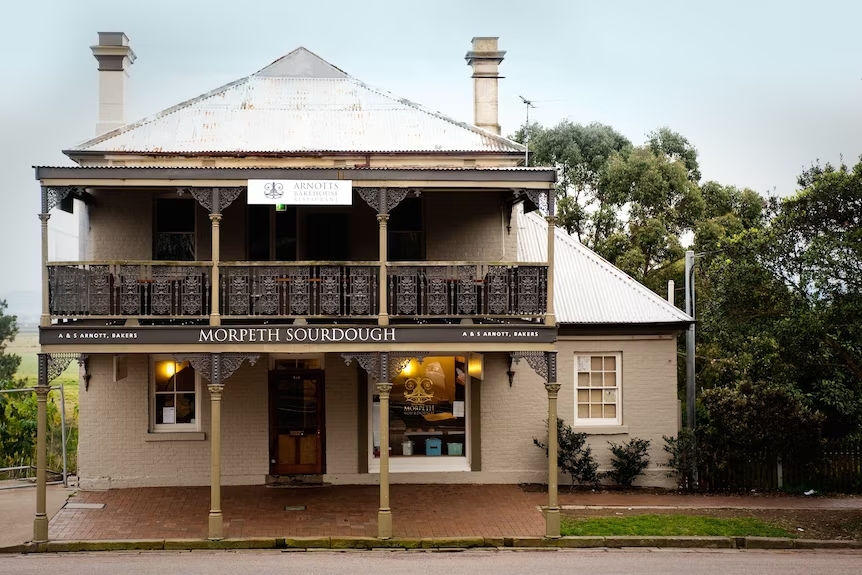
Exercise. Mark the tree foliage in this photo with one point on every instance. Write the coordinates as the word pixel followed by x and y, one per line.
pixel 8 330
pixel 779 281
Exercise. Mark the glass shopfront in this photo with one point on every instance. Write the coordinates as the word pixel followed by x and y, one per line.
pixel 428 410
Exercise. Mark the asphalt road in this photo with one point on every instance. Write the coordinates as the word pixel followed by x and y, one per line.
pixel 594 562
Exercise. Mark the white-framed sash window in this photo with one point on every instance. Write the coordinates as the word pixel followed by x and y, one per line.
pixel 598 389
pixel 175 395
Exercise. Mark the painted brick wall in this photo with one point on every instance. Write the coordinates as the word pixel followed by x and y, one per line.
pixel 649 396
pixel 342 415
pixel 114 450
pixel 121 225
pixel 459 226
pixel 468 226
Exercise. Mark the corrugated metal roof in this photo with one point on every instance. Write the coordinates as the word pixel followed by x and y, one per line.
pixel 300 103
pixel 316 168
pixel 587 288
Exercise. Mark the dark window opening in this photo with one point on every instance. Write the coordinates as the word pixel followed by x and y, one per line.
pixel 175 229
pixel 406 235
pixel 328 237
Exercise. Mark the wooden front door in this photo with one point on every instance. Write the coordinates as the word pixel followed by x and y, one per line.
pixel 296 423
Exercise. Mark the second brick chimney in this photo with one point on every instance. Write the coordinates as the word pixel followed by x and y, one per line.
pixel 114 56
pixel 485 59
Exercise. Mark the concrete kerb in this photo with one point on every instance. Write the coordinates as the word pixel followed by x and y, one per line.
pixel 432 544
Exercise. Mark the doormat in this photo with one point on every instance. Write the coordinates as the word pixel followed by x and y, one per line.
pixel 294 507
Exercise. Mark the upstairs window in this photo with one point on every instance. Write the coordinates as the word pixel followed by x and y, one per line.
pixel 406 233
pixel 175 229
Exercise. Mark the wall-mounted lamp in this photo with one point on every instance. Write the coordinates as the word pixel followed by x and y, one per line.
pixel 511 371
pixel 84 362
pixel 476 365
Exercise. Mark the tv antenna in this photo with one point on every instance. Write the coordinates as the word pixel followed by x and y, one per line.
pixel 529 104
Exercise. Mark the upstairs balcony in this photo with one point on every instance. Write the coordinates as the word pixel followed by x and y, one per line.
pixel 313 290
pixel 353 245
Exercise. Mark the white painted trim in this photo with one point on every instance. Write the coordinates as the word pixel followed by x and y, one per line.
pixel 584 425
pixel 151 392
pixel 424 463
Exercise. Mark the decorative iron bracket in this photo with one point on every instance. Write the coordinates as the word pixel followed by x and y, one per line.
pixel 52 365
pixel 544 363
pixel 217 367
pixel 53 195
pixel 393 363
pixel 214 200
pixel 545 200
pixel 384 200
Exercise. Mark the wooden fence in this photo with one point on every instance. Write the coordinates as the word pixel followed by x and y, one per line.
pixel 838 468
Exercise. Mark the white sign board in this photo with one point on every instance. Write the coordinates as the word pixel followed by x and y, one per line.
pixel 301 192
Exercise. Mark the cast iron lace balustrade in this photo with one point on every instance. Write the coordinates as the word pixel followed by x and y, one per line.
pixel 299 289
pixel 133 289
pixel 440 289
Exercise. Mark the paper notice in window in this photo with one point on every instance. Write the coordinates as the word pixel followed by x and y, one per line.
pixel 168 415
pixel 458 409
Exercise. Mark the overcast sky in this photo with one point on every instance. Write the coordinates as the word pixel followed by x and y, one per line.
pixel 761 87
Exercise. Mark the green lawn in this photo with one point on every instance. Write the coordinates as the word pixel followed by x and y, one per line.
pixel 664 525
pixel 27 346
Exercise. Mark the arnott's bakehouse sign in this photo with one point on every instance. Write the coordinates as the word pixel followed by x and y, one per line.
pixel 290 335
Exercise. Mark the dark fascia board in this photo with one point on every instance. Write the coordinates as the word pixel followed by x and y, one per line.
pixel 419 174
pixel 622 328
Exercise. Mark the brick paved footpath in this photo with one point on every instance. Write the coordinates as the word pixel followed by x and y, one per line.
pixel 418 510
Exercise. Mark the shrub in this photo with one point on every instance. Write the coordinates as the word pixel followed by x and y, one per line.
pixel 629 460
pixel 684 457
pixel 574 457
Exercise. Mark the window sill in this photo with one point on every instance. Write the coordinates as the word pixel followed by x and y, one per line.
pixel 602 429
pixel 176 436
pixel 422 464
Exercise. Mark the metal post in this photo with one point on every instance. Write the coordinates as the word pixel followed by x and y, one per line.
pixel 63 433
pixel 215 218
pixel 550 316
pixel 40 522
pixel 384 514
pixel 383 312
pixel 45 317
pixel 552 515
pixel 216 387
pixel 690 390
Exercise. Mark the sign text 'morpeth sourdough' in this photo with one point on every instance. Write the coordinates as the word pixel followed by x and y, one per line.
pixel 292 335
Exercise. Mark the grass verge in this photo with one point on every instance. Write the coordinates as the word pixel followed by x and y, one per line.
pixel 669 525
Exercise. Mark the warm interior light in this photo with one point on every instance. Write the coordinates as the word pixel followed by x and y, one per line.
pixel 170 368
pixel 476 365
pixel 410 369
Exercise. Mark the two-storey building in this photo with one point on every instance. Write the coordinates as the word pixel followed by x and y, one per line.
pixel 298 277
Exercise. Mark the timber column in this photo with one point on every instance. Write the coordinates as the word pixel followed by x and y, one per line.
pixel 550 317
pixel 216 521
pixel 214 200
pixel 216 368
pixel 40 523
pixel 384 514
pixel 215 316
pixel 383 311
pixel 383 200
pixel 45 317
pixel 552 515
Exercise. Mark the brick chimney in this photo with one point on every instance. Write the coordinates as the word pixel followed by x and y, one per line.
pixel 114 56
pixel 485 59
